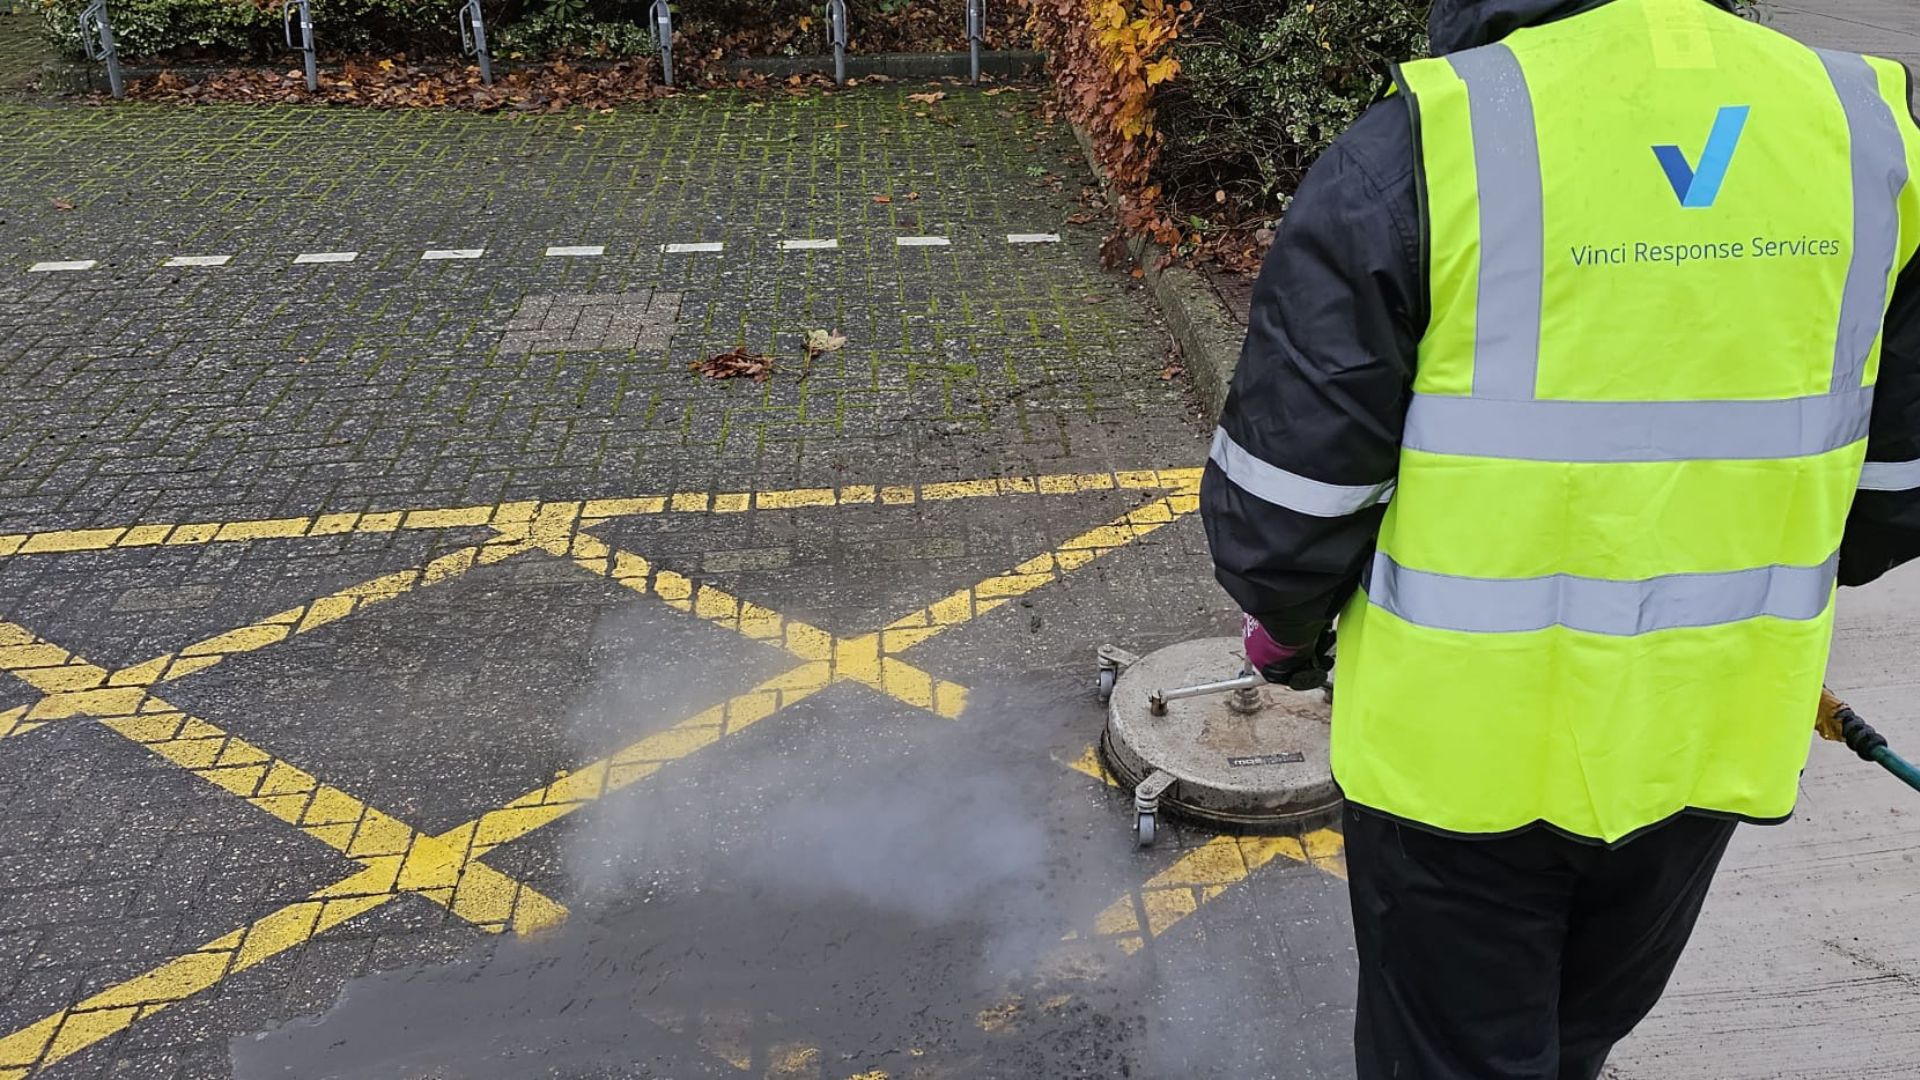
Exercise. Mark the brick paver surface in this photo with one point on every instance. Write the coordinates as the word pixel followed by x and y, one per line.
pixel 378 581
pixel 1889 28
pixel 404 640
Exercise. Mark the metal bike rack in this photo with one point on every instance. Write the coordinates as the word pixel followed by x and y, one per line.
pixel 96 36
pixel 473 38
pixel 287 12
pixel 976 31
pixel 837 30
pixel 663 29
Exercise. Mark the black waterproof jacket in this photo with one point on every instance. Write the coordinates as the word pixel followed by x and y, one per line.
pixel 1326 375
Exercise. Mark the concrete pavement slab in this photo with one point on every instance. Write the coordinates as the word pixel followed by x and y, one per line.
pixel 763 710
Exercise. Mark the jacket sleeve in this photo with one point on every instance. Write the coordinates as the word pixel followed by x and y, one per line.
pixel 1308 445
pixel 1883 530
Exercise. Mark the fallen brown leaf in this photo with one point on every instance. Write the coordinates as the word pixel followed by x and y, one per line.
pixel 883 199
pixel 736 364
pixel 63 204
pixel 933 98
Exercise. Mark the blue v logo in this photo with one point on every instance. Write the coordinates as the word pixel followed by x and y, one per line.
pixel 1698 186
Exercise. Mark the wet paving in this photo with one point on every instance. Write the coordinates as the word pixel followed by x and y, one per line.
pixel 860 893
pixel 477 699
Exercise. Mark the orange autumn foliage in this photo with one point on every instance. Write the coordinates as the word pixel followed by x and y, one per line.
pixel 1107 57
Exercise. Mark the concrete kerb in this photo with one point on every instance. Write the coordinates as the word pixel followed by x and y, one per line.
pixel 1208 336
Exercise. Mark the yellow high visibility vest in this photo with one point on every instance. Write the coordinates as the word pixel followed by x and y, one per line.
pixel 1662 242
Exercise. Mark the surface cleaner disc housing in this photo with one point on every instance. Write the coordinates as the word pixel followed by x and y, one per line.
pixel 1258 759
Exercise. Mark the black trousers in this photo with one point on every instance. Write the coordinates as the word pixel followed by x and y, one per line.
pixel 1523 957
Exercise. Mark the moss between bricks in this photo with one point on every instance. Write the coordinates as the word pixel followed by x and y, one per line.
pixel 1207 333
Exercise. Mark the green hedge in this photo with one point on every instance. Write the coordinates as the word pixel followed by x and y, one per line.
pixel 240 29
pixel 1265 85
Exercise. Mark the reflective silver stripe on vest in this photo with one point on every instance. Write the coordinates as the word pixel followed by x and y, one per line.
pixel 1272 484
pixel 1890 476
pixel 1601 431
pixel 1598 606
pixel 1506 157
pixel 1879 174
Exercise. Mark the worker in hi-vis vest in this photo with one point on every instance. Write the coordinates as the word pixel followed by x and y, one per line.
pixel 1582 369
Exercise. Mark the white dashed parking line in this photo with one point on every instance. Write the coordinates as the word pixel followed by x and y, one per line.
pixel 557 251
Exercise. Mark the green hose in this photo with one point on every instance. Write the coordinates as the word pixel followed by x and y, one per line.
pixel 1872 746
pixel 1898 766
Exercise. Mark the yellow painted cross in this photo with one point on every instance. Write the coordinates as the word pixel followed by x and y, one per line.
pixel 396 860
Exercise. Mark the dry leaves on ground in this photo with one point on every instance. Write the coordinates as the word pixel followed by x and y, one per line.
pixel 933 98
pixel 395 84
pixel 736 364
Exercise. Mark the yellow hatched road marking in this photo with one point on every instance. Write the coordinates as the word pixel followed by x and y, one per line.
pixel 73 687
pixel 967 604
pixel 855 659
pixel 378 841
pixel 69 1031
pixel 434 866
pixel 445 868
pixel 313 615
pixel 1169 897
pixel 1202 874
pixel 577 789
pixel 171 534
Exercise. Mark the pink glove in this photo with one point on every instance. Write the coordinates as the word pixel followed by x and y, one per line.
pixel 1302 668
pixel 1262 651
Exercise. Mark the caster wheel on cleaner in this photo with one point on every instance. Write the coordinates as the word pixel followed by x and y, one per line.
pixel 1145 826
pixel 1266 769
pixel 1108 677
